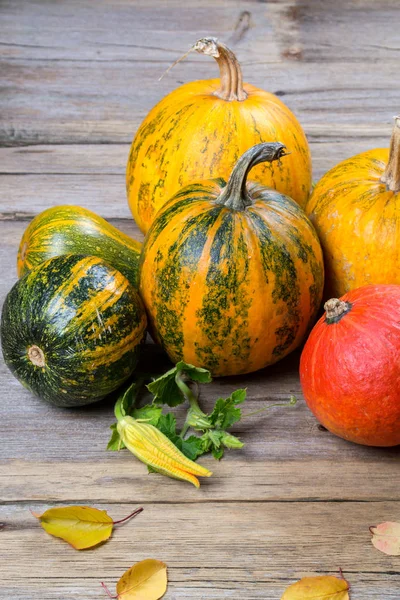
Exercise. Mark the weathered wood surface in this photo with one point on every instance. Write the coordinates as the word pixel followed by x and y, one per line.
pixel 206 550
pixel 77 78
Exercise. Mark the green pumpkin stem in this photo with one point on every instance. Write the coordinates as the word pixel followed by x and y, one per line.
pixel 231 87
pixel 391 176
pixel 235 194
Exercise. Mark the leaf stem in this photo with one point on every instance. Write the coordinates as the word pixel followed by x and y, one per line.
pixel 292 402
pixel 135 512
pixel 134 389
pixel 184 430
pixel 119 411
pixel 186 391
pixel 105 588
pixel 344 579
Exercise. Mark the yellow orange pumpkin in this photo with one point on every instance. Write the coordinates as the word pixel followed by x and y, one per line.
pixel 231 274
pixel 355 208
pixel 200 130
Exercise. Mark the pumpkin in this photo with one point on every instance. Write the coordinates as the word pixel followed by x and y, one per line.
pixel 350 368
pixel 71 330
pixel 200 130
pixel 76 230
pixel 355 208
pixel 231 274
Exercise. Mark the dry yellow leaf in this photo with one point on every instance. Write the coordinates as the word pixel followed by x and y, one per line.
pixel 386 537
pixel 324 587
pixel 147 580
pixel 80 526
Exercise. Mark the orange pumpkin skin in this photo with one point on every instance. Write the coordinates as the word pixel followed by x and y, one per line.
pixel 350 368
pixel 193 134
pixel 230 289
pixel 357 218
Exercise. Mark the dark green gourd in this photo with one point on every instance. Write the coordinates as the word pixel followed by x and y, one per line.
pixel 71 330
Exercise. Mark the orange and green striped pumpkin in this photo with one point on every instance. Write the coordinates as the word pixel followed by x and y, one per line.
pixel 75 230
pixel 200 130
pixel 71 330
pixel 231 274
pixel 355 209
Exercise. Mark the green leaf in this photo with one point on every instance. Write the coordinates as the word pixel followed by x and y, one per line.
pixel 231 441
pixel 149 413
pixel 212 442
pixel 130 396
pixel 225 412
pixel 215 440
pixel 191 447
pixel 167 425
pixel 165 388
pixel 115 442
pixel 127 400
pixel 215 437
pixel 195 373
pixel 218 453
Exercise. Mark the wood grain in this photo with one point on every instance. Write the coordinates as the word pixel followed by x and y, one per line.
pixel 77 78
pixel 37 177
pixel 246 550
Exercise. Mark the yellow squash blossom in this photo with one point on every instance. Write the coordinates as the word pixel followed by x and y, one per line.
pixel 153 448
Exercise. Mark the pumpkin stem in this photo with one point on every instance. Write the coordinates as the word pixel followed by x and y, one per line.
pixel 235 194
pixel 231 87
pixel 391 176
pixel 335 309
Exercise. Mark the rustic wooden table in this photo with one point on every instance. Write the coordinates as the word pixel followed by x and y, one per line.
pixel 77 78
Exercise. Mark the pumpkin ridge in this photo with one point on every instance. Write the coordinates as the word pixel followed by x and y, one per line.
pixel 74 230
pixel 105 299
pixel 185 252
pixel 68 287
pixel 226 296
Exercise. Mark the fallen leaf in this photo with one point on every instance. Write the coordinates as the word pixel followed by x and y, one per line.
pixel 147 580
pixel 80 526
pixel 386 537
pixel 324 587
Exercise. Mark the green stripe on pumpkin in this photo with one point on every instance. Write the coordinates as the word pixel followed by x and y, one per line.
pixel 76 230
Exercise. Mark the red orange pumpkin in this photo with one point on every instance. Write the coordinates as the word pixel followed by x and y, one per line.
pixel 350 366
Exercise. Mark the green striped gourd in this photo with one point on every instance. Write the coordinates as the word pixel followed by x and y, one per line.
pixel 75 230
pixel 71 330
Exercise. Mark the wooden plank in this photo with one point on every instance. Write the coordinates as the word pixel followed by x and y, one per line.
pixel 342 70
pixel 110 159
pixel 144 26
pixel 220 550
pixel 23 196
pixel 107 105
pixel 249 474
pixel 36 177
